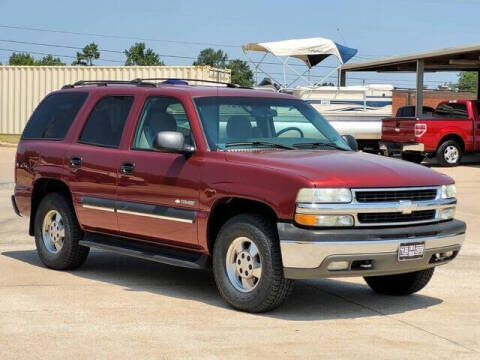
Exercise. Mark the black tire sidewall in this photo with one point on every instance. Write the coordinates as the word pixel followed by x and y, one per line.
pixel 54 202
pixel 232 230
pixel 441 153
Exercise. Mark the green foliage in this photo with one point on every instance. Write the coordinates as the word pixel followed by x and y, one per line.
pixel 89 53
pixel 49 60
pixel 241 72
pixel 212 58
pixel 137 55
pixel 21 59
pixel 467 81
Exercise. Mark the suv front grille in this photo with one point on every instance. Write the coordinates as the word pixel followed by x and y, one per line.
pixel 396 217
pixel 395 195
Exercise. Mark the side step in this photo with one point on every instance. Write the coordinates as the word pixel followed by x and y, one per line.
pixel 145 251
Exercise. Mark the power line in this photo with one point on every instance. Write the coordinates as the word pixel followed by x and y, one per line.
pixel 115 36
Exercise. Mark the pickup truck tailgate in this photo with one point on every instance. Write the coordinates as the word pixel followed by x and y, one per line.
pixel 398 129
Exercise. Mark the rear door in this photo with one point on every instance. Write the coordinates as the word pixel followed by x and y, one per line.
pixel 93 161
pixel 158 192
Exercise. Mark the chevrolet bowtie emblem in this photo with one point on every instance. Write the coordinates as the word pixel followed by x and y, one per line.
pixel 406 206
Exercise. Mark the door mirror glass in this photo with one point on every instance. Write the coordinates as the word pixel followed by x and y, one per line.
pixel 171 141
pixel 351 141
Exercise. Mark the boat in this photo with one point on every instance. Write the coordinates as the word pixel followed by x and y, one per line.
pixel 351 110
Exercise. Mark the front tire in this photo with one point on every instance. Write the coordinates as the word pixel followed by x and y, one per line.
pixel 247 264
pixel 57 233
pixel 401 284
pixel 449 153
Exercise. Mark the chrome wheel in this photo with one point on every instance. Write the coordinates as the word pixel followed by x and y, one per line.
pixel 243 264
pixel 53 231
pixel 451 154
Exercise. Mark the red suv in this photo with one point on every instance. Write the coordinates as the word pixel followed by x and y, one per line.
pixel 256 185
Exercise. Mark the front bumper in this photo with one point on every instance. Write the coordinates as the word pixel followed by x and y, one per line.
pixel 393 147
pixel 308 253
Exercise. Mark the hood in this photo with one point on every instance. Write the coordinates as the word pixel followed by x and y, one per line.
pixel 342 168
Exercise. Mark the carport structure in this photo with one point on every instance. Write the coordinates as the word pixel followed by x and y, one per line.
pixel 462 58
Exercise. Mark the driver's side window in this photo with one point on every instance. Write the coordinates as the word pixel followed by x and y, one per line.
pixel 161 114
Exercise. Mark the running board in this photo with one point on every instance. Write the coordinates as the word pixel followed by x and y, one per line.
pixel 140 250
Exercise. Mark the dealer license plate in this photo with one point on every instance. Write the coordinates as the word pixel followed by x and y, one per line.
pixel 410 251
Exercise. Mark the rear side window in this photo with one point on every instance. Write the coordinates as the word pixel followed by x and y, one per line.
pixel 53 117
pixel 105 124
pixel 451 110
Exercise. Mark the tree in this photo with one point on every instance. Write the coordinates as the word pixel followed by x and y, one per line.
pixel 21 59
pixel 212 58
pixel 241 73
pixel 137 55
pixel 49 60
pixel 88 54
pixel 467 81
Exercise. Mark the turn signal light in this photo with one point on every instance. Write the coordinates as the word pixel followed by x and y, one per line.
pixel 324 220
pixel 420 129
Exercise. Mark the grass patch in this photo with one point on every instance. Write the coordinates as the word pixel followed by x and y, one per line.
pixel 9 138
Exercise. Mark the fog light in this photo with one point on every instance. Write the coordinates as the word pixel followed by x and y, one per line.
pixel 338 265
pixel 447 213
pixel 324 220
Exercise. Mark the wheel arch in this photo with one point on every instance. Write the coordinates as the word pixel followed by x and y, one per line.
pixel 225 208
pixel 41 188
pixel 452 136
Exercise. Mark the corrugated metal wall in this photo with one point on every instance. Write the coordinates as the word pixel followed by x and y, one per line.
pixel 23 87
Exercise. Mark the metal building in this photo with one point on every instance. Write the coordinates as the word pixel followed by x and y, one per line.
pixel 23 87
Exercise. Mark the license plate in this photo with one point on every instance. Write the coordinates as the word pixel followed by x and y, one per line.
pixel 410 251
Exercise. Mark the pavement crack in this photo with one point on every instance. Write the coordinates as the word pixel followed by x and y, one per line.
pixel 399 320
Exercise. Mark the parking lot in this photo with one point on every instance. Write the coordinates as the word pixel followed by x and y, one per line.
pixel 119 307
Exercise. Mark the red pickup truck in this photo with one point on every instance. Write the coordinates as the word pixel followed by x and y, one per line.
pixel 446 132
pixel 254 185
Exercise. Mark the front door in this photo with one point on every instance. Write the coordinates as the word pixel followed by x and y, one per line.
pixel 157 196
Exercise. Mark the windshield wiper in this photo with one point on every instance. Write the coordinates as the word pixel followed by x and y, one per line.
pixel 312 144
pixel 259 143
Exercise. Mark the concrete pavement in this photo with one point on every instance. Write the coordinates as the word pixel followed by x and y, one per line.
pixel 115 307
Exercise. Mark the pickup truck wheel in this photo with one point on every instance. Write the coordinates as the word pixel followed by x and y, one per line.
pixel 401 284
pixel 449 153
pixel 247 264
pixel 57 234
pixel 414 157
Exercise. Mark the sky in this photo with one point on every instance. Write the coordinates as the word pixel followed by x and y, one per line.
pixel 182 28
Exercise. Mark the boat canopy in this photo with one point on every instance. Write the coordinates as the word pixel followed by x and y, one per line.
pixel 311 50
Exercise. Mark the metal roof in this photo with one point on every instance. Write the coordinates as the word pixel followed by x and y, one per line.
pixel 461 58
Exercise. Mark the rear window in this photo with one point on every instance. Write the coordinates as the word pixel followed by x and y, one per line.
pixel 54 116
pixel 105 124
pixel 451 110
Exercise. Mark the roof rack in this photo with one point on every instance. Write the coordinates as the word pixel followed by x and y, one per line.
pixel 136 82
pixel 228 84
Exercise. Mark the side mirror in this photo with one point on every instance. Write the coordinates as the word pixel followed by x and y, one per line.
pixel 171 141
pixel 351 141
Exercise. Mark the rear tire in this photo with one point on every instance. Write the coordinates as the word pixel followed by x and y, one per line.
pixel 57 233
pixel 401 284
pixel 247 264
pixel 449 153
pixel 414 157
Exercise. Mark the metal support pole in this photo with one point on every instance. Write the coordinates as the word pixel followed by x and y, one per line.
pixel 419 105
pixel 342 78
pixel 478 85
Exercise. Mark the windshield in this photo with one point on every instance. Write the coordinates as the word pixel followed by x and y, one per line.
pixel 267 122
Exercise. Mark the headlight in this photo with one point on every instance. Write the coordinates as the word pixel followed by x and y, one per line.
pixel 324 195
pixel 449 191
pixel 324 220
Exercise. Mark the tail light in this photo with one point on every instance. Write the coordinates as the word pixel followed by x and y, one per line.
pixel 420 129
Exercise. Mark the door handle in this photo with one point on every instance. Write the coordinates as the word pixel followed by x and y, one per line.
pixel 75 162
pixel 127 168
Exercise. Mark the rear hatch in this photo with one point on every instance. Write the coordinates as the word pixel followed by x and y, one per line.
pixel 400 130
